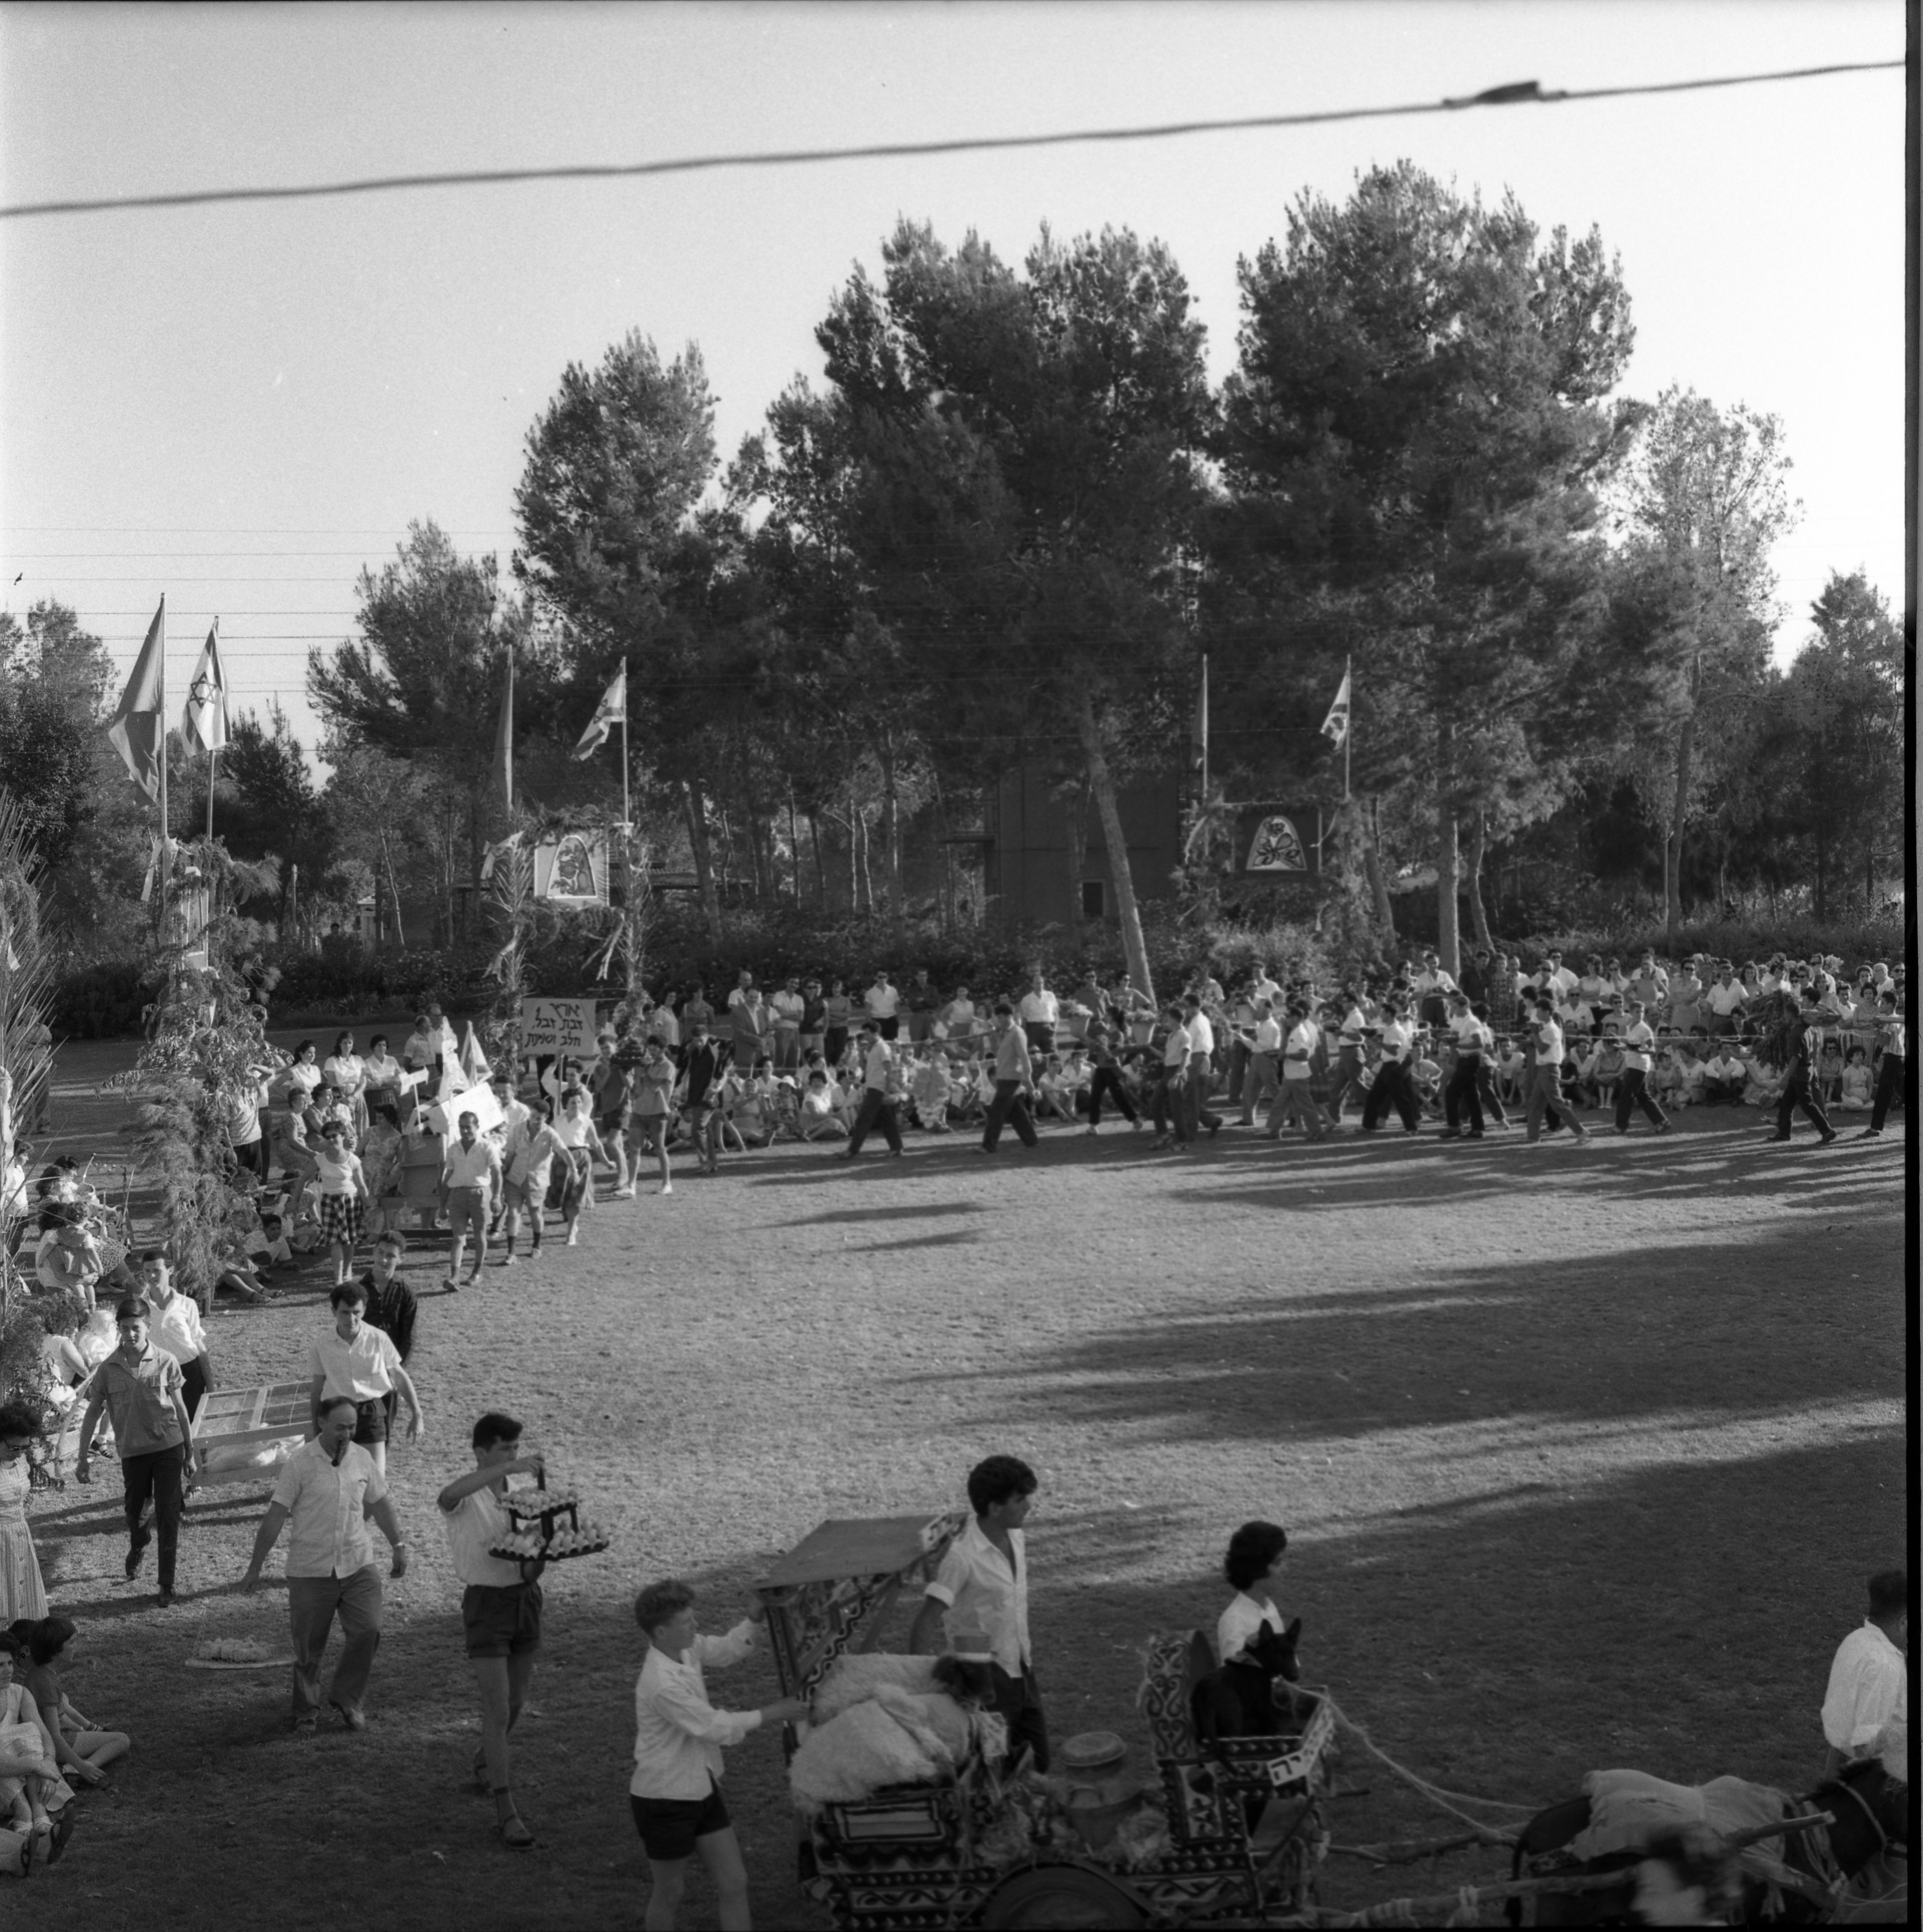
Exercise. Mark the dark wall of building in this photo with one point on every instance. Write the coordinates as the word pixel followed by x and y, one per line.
pixel 1030 865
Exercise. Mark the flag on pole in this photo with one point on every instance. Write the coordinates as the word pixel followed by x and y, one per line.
pixel 204 722
pixel 504 740
pixel 612 709
pixel 1335 726
pixel 139 728
pixel 473 1062
pixel 1198 736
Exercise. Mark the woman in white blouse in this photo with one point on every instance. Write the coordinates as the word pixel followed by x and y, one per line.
pixel 345 1069
pixel 1254 1561
pixel 675 1792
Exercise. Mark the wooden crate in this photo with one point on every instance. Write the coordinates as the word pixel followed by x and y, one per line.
pixel 246 1434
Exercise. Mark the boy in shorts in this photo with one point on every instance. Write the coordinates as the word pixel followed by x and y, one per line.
pixel 675 1792
pixel 500 1605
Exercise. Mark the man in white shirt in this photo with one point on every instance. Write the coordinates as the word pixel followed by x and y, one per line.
pixel 1392 1086
pixel 1893 1035
pixel 1433 986
pixel 174 1326
pixel 1262 1077
pixel 884 1006
pixel 1545 1077
pixel 1557 978
pixel 359 1364
pixel 1723 1075
pixel 980 1596
pixel 1200 1030
pixel 470 1180
pixel 786 1007
pixel 877 1102
pixel 1472 1039
pixel 1295 1096
pixel 327 1490
pixel 1727 999
pixel 1014 1084
pixel 1869 1681
pixel 1039 1013
pixel 1632 1086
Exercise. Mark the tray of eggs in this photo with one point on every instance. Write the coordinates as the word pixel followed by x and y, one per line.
pixel 547 1528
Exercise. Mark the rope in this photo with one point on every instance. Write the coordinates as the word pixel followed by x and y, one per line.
pixel 1436 1795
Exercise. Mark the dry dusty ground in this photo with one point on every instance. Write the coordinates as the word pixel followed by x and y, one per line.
pixel 1584 1454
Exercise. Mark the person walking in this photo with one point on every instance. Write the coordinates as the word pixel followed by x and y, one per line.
pixel 1798 1090
pixel 1166 1103
pixel 1106 1079
pixel 674 1790
pixel 1296 1095
pixel 1895 1067
pixel 1199 1116
pixel 470 1178
pixel 700 1078
pixel 174 1324
pixel 653 1084
pixel 1260 1078
pixel 1391 1086
pixel 500 1606
pixel 1545 1095
pixel 979 1599
pixel 142 1388
pixel 1015 1081
pixel 1632 1086
pixel 354 1362
pixel 877 1102
pixel 326 1493
pixel 1463 1094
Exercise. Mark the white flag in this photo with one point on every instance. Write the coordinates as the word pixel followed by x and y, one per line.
pixel 1336 724
pixel 611 711
pixel 204 722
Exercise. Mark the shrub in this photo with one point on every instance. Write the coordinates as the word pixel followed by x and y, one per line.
pixel 102 1001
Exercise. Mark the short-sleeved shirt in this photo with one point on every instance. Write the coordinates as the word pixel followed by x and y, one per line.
pixel 392 1308
pixel 1245 1615
pixel 478 1519
pixel 326 1505
pixel 985 1596
pixel 139 1398
pixel 361 1369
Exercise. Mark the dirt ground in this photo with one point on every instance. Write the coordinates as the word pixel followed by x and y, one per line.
pixel 1584 1455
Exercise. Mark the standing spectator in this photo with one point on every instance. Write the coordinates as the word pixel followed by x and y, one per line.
pixel 958 1017
pixel 500 1605
pixel 1650 984
pixel 174 1324
pixel 1869 1679
pixel 883 1003
pixel 23 1594
pixel 813 1019
pixel 1547 1057
pixel 921 1001
pixel 1464 1091
pixel 838 1011
pixel 1725 1001
pixel 701 1100
pixel 663 1025
pixel 1014 1080
pixel 1798 1090
pixel 749 1021
pixel 877 1099
pixel 471 1179
pixel 326 1492
pixel 140 1387
pixel 244 1133
pixel 347 1072
pixel 785 1011
pixel 1039 1013
pixel 1632 1084
pixel 1432 987
pixel 1504 1000
pixel 980 1594
pixel 357 1363
pixel 675 1790
pixel 1392 1086
pixel 1892 1029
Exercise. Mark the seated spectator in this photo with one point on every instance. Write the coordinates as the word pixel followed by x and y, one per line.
pixel 65 1367
pixel 1692 1073
pixel 1763 1086
pixel 82 1748
pixel 821 1118
pixel 927 1090
pixel 1828 1072
pixel 1605 1066
pixel 1511 1069
pixel 1052 1100
pixel 1724 1076
pixel 1856 1088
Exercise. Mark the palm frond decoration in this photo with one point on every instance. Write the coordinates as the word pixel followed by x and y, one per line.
pixel 26 990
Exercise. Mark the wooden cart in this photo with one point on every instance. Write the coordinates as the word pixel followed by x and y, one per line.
pixel 917 1855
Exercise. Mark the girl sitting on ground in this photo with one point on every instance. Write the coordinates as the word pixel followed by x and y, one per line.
pixel 23 1794
pixel 81 1748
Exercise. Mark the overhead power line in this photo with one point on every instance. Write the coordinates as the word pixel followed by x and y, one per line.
pixel 1514 93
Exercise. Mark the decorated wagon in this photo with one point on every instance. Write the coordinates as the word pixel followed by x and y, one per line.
pixel 1236 1838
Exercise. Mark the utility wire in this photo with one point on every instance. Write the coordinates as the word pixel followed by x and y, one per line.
pixel 1514 93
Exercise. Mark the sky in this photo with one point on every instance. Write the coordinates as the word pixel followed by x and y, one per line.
pixel 241 406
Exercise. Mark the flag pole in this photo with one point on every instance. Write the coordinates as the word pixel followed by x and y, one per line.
pixel 160 750
pixel 1348 668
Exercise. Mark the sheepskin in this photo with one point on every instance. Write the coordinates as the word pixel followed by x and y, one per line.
pixel 855 1676
pixel 1627 1808
pixel 879 1741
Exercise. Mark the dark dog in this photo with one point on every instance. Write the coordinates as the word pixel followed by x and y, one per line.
pixel 1237 1699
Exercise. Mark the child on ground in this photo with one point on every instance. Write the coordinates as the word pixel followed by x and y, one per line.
pixel 1855 1087
pixel 675 1790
